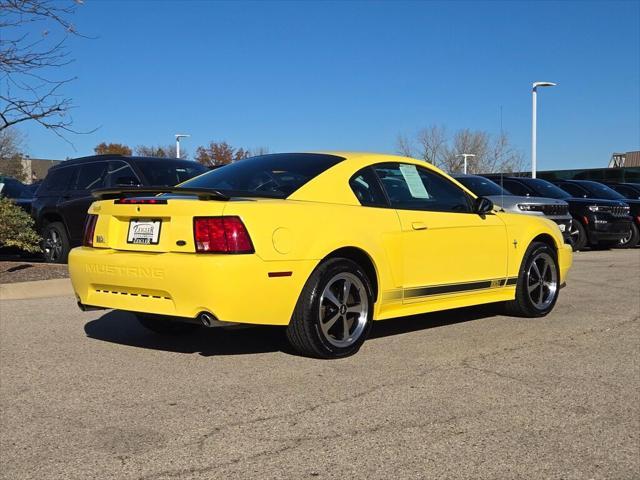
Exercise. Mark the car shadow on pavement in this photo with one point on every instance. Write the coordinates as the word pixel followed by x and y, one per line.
pixel 398 326
pixel 122 328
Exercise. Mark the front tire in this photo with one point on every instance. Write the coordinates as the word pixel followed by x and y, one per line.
pixel 333 316
pixel 538 283
pixel 55 243
pixel 631 240
pixel 164 325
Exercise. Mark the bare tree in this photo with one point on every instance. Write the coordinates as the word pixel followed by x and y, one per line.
pixel 165 151
pixel 492 154
pixel 466 141
pixel 11 143
pixel 254 152
pixel 430 145
pixel 29 90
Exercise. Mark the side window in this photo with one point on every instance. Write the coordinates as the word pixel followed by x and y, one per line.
pixel 628 192
pixel 58 180
pixel 574 190
pixel 410 187
pixel 515 187
pixel 120 174
pixel 91 175
pixel 367 189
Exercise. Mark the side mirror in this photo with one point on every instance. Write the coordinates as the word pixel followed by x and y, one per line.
pixel 483 206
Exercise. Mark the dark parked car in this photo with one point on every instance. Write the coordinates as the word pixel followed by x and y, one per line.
pixel 596 221
pixel 552 208
pixel 590 189
pixel 61 203
pixel 21 194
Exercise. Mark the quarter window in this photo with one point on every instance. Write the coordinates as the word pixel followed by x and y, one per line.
pixel 410 187
pixel 120 174
pixel 92 175
pixel 367 189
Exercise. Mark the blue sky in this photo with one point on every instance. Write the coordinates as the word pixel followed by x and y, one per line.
pixel 295 76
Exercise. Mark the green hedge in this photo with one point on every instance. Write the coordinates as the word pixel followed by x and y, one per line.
pixel 17 228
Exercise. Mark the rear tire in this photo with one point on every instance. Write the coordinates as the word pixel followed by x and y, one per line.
pixel 334 313
pixel 631 240
pixel 538 283
pixel 55 243
pixel 578 235
pixel 164 325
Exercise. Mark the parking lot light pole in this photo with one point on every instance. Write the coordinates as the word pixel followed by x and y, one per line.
pixel 465 156
pixel 534 120
pixel 178 137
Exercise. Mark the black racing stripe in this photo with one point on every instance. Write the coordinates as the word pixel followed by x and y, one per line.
pixel 442 289
pixel 512 281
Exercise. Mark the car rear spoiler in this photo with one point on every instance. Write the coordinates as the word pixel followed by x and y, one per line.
pixel 114 193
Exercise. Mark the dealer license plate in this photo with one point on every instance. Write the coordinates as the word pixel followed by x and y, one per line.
pixel 144 232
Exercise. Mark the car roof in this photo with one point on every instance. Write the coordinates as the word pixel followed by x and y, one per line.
pixel 113 156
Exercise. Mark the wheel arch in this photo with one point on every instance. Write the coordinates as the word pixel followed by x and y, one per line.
pixel 546 238
pixel 50 217
pixel 363 259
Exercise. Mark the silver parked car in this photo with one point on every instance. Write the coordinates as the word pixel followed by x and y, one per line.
pixel 554 209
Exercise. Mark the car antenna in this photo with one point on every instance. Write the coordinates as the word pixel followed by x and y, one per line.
pixel 501 188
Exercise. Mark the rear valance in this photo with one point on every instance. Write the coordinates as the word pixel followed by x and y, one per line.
pixel 113 193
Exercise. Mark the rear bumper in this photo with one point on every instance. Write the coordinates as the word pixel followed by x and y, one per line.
pixel 234 288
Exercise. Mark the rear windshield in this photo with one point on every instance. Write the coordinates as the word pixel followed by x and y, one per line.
pixel 167 173
pixel 482 187
pixel 275 176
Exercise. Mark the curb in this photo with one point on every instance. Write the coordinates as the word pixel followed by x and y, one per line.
pixel 59 287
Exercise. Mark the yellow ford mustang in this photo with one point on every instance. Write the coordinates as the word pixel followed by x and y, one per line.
pixel 324 243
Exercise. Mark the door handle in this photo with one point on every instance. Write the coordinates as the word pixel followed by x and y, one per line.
pixel 418 226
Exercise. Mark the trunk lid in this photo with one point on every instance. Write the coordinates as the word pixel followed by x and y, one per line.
pixel 166 226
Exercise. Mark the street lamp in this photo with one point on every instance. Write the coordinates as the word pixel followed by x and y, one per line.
pixel 465 155
pixel 178 137
pixel 534 120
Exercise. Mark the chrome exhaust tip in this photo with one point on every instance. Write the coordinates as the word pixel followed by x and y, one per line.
pixel 207 319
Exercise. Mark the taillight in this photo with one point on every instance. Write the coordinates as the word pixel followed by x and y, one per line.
pixel 89 230
pixel 140 201
pixel 221 235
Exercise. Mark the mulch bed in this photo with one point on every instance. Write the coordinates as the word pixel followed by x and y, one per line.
pixel 26 271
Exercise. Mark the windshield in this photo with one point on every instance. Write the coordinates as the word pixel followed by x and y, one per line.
pixel 483 187
pixel 167 173
pixel 545 189
pixel 275 176
pixel 598 190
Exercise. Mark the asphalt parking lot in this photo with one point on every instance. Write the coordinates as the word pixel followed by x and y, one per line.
pixel 459 394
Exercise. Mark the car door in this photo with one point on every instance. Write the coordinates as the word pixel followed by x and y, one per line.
pixel 447 249
pixel 76 202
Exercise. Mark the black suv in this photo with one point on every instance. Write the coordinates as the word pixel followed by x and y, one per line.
pixel 622 192
pixel 596 221
pixel 61 203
